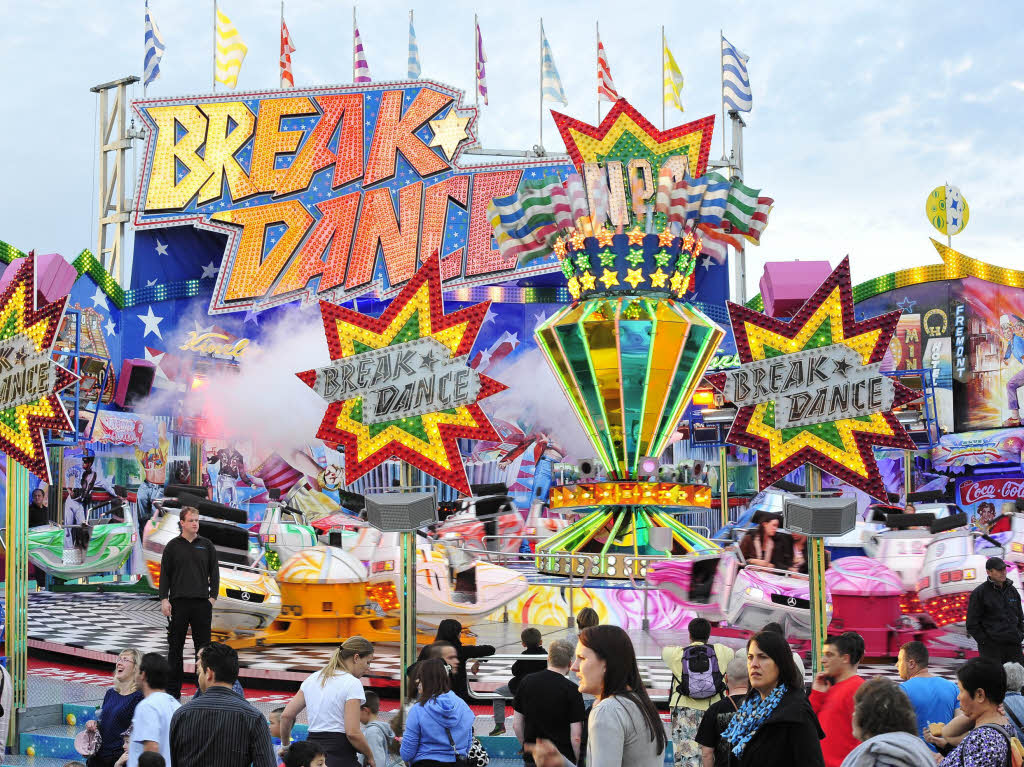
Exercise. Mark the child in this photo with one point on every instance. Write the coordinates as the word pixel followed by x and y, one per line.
pixel 151 759
pixel 533 642
pixel 378 734
pixel 275 725
pixel 304 753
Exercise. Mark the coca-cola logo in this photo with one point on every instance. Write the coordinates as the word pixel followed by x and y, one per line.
pixel 974 491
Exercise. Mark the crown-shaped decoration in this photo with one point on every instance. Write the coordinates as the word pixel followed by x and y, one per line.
pixel 628 262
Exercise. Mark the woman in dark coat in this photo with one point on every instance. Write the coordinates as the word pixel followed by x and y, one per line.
pixel 775 726
pixel 450 630
pixel 765 546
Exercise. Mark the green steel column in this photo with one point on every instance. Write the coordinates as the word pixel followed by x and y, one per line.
pixel 816 571
pixel 407 619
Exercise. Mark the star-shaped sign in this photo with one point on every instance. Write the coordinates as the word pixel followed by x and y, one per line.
pixel 426 440
pixel 843 448
pixel 624 134
pixel 29 400
pixel 109 327
pixel 99 299
pixel 449 132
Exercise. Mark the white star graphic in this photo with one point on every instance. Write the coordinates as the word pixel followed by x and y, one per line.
pixel 489 316
pixel 98 299
pixel 485 358
pixel 210 271
pixel 201 330
pixel 152 323
pixel 151 283
pixel 161 249
pixel 109 327
pixel 156 359
pixel 706 262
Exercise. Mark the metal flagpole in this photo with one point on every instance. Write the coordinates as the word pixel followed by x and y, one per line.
pixel 663 77
pixel 597 53
pixel 721 67
pixel 541 83
pixel 215 45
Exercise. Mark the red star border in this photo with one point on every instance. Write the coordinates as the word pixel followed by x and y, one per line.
pixel 779 451
pixel 434 447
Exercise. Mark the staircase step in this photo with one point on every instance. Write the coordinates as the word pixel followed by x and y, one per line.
pixel 19 760
pixel 82 713
pixel 55 742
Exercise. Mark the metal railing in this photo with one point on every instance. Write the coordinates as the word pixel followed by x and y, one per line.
pixel 643 661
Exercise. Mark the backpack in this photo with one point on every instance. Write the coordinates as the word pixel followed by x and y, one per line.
pixel 701 678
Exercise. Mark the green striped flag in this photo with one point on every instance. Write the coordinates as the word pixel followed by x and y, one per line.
pixel 747 211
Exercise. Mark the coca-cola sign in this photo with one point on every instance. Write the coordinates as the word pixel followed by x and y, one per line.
pixel 1006 489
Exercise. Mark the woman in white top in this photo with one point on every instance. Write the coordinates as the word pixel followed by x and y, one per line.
pixel 332 698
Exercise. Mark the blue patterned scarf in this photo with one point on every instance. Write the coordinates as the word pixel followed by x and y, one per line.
pixel 752 714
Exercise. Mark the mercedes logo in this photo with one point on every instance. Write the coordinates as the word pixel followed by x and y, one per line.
pixel 791 601
pixel 245 596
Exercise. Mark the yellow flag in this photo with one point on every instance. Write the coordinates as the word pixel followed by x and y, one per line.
pixel 230 51
pixel 673 80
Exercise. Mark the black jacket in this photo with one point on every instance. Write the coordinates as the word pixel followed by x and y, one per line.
pixel 460 684
pixel 994 614
pixel 189 570
pixel 790 736
pixel 523 667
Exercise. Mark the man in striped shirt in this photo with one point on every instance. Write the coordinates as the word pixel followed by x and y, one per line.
pixel 219 729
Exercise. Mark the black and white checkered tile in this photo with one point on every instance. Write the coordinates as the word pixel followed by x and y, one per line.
pixel 104 624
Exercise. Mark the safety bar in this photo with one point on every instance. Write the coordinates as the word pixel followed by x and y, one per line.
pixel 642 661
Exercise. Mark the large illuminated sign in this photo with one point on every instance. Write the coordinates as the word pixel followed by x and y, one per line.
pixel 328 192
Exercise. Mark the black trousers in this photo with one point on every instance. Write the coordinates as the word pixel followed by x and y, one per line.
pixel 339 751
pixel 98 761
pixel 1004 652
pixel 185 613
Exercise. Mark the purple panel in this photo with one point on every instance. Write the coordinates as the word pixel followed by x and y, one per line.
pixel 54 276
pixel 786 285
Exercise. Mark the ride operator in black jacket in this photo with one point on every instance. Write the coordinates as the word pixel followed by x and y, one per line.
pixel 189 580
pixel 994 616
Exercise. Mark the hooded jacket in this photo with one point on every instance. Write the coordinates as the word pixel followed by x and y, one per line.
pixel 790 736
pixel 425 736
pixel 892 749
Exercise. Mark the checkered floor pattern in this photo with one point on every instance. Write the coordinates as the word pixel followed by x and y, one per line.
pixel 105 623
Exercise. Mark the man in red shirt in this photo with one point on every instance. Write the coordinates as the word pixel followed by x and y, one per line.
pixel 832 695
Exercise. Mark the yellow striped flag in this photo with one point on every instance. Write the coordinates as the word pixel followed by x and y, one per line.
pixel 230 51
pixel 673 80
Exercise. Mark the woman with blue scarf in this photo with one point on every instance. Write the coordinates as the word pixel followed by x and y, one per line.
pixel 775 726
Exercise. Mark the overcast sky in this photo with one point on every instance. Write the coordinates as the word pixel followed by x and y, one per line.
pixel 860 108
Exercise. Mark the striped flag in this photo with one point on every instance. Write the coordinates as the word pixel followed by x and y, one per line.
pixel 747 212
pixel 231 51
pixel 287 49
pixel 527 222
pixel 360 68
pixel 577 200
pixel 154 50
pixel 551 83
pixel 605 85
pixel 713 201
pixel 736 95
pixel 481 72
pixel 414 53
pixel 694 196
pixel 673 80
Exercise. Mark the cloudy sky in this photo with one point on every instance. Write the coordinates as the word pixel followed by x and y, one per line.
pixel 860 108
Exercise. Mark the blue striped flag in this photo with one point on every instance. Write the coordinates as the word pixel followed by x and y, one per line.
pixel 551 83
pixel 154 50
pixel 736 95
pixel 713 202
pixel 526 223
pixel 414 52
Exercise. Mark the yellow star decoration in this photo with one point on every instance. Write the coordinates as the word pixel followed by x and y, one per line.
pixel 604 238
pixel 574 287
pixel 609 278
pixel 577 240
pixel 665 238
pixel 658 278
pixel 636 237
pixel 635 276
pixel 831 310
pixel 449 132
pixel 676 283
pixel 587 281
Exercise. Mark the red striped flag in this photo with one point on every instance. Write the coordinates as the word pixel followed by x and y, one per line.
pixel 605 84
pixel 287 49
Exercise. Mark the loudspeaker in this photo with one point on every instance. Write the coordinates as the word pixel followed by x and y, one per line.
pixel 820 517
pixel 400 512
pixel 135 382
pixel 589 469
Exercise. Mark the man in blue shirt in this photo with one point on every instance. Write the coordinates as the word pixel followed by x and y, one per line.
pixel 934 699
pixel 1011 328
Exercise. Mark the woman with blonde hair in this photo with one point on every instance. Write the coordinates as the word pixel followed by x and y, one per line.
pixel 332 698
pixel 116 712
